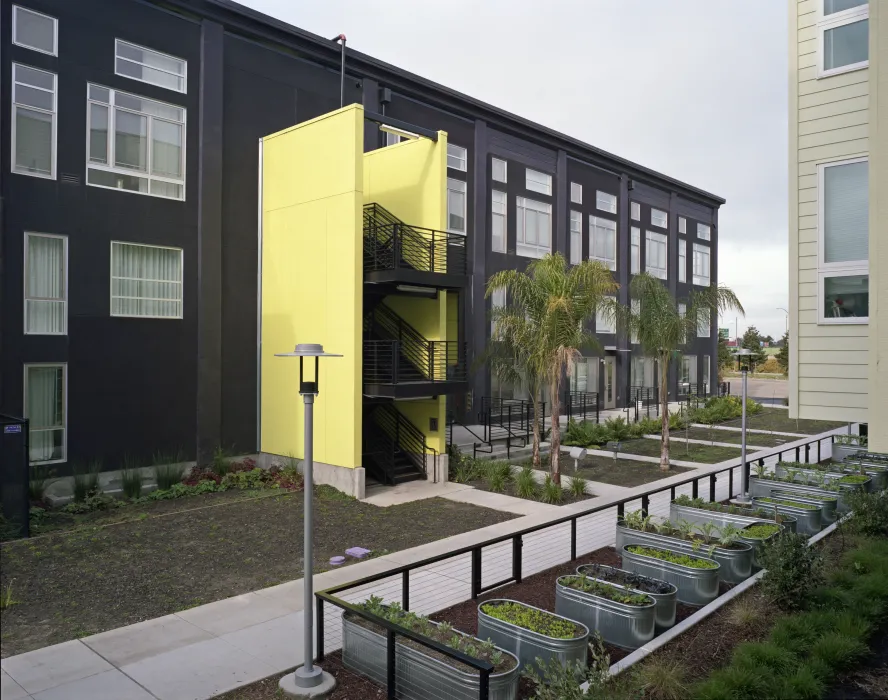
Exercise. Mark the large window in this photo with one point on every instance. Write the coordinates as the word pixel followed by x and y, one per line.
pixel 46 284
pixel 135 144
pixel 456 206
pixel 701 265
pixel 655 254
pixel 147 66
pixel 682 260
pixel 604 322
pixel 844 241
pixel 606 202
pixel 584 377
pixel 576 193
pixel 498 169
pixel 635 251
pixel 659 218
pixel 35 31
pixel 703 324
pixel 498 213
pixel 688 371
pixel 46 411
pixel 146 281
pixel 33 121
pixel 457 157
pixel 842 36
pixel 535 181
pixel 704 232
pixel 576 237
pixel 603 241
pixel 533 221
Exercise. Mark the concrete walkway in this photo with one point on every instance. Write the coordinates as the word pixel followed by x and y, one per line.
pixel 198 653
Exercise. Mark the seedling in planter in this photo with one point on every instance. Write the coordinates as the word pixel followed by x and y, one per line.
pixel 760 532
pixel 706 529
pixel 533 619
pixel 685 528
pixel 728 534
pixel 681 559
pixel 760 470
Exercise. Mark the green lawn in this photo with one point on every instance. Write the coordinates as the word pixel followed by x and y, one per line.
pixel 777 420
pixel 680 450
pixel 733 436
pixel 622 472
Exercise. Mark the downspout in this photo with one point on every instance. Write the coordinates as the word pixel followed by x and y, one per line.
pixel 341 40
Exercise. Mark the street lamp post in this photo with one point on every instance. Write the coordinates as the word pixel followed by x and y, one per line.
pixel 780 308
pixel 743 355
pixel 308 680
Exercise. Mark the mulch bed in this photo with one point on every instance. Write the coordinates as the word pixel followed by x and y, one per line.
pixel 623 472
pixel 510 490
pixel 80 582
pixel 778 420
pixel 732 436
pixel 680 450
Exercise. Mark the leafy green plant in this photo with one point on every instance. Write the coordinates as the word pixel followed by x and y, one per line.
pixel 551 492
pixel 581 582
pixel 578 486
pixel 86 479
pixel 131 479
pixel 617 428
pixel 853 479
pixel 760 532
pixel 168 474
pixel 533 619
pixel 564 681
pixel 791 504
pixel 870 512
pixel 6 599
pixel 525 483
pixel 221 465
pixel 673 557
pixel 793 569
pixel 728 535
pixel 96 500
pixel 496 482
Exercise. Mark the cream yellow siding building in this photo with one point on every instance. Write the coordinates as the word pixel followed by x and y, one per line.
pixel 837 210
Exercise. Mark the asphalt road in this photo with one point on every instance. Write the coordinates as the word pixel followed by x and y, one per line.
pixel 772 389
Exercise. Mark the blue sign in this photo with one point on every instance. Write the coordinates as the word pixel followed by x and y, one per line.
pixel 7 429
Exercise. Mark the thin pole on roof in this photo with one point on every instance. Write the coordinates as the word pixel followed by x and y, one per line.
pixel 341 39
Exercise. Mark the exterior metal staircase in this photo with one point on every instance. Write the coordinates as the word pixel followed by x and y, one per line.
pixel 394 450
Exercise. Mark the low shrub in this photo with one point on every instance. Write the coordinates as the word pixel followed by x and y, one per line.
pixel 564 681
pixel 578 486
pixel 131 479
pixel 95 500
pixel 526 484
pixel 662 680
pixel 86 479
pixel 552 492
pixel 496 482
pixel 168 474
pixel 221 465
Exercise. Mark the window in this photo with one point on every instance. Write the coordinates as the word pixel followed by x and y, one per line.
pixel 149 66
pixel 391 138
pixel 534 226
pixel 584 377
pixel 655 254
pixel 46 397
pixel 497 301
pixel 703 324
pixel 498 170
pixel 606 202
pixel 842 37
pixel 689 371
pixel 576 237
pixel 135 144
pixel 843 220
pixel 682 224
pixel 704 232
pixel 659 218
pixel 635 251
pixel 33 121
pixel 35 31
pixel 146 280
pixel 536 181
pixel 682 260
pixel 635 208
pixel 456 206
pixel 498 209
pixel 701 265
pixel 603 241
pixel 682 309
pixel 707 360
pixel 636 311
pixel 457 157
pixel 46 284
pixel 576 193
pixel 603 322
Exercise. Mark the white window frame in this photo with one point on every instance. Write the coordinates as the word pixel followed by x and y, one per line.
pixel 576 193
pixel 609 263
pixel 576 237
pixel 112 277
pixel 833 21
pixel 543 186
pixel 505 163
pixel 530 250
pixel 64 366
pixel 698 279
pixel 634 250
pixel 682 224
pixel 635 211
pixel 55 31
pixel 110 146
pixel 53 114
pixel 665 214
pixel 460 158
pixel 64 299
pixel 704 229
pixel 682 260
pixel 847 268
pixel 465 213
pixel 504 214
pixel 608 329
pixel 183 76
pixel 661 238
pixel 610 201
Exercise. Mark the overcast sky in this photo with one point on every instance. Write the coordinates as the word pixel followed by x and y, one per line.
pixel 696 89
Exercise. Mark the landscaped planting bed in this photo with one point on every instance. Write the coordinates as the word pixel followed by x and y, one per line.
pixel 499 476
pixel 734 437
pixel 681 451
pixel 777 420
pixel 620 472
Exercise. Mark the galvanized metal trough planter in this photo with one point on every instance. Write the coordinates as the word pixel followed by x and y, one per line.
pixel 667 600
pixel 623 625
pixel 828 504
pixel 833 476
pixel 765 487
pixel 878 473
pixel 695 586
pixel 528 645
pixel 419 675
pixel 759 543
pixel 717 517
pixel 735 564
pixel 840 452
pixel 810 520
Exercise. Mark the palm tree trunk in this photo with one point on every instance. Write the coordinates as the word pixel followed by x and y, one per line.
pixel 555 445
pixel 664 403
pixel 536 426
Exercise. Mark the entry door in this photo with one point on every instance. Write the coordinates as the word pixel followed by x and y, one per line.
pixel 610 373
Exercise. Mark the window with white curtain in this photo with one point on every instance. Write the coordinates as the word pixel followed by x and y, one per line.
pixel 682 224
pixel 457 157
pixel 655 254
pixel 576 193
pixel 682 260
pixel 34 107
pixel 456 206
pixel 701 265
pixel 46 284
pixel 635 251
pixel 498 215
pixel 704 232
pixel 135 144
pixel 146 280
pixel 533 221
pixel 535 181
pixel 606 202
pixel 659 218
pixel 46 410
pixel 635 211
pixel 604 324
pixel 576 237
pixel 35 31
pixel 498 169
pixel 842 36
pixel 603 241
pixel 703 324
pixel 149 66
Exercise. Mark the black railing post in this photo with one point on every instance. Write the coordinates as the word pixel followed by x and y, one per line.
pixel 621 510
pixel 695 489
pixel 712 488
pixel 807 452
pixel 573 539
pixel 396 245
pixel 319 628
pixel 405 589
pixel 476 572
pixel 672 493
pixel 484 685
pixel 818 452
pixel 731 482
pixel 432 254
pixel 517 544
pixel 645 503
pixel 396 360
pixel 797 454
pixel 390 664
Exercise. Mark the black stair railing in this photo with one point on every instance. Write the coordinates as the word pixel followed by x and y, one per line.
pixel 409 439
pixel 581 405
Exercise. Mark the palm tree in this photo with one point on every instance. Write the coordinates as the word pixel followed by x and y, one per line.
pixel 542 327
pixel 662 327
